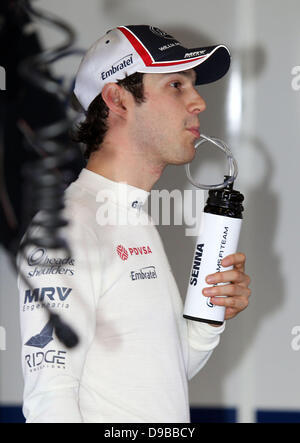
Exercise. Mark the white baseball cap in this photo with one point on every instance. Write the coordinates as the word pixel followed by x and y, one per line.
pixel 142 48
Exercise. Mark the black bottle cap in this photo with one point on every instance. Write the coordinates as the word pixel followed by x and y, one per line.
pixel 226 201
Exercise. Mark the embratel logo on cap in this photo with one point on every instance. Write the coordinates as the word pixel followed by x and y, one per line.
pixel 118 66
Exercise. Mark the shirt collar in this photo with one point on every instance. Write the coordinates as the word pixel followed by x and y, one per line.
pixel 120 193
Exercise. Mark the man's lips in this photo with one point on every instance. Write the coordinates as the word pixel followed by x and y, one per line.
pixel 195 131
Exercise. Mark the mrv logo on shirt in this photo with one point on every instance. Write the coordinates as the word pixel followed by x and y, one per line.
pixel 53 297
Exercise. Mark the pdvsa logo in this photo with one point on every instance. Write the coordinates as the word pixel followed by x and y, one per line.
pixel 140 250
pixel 123 253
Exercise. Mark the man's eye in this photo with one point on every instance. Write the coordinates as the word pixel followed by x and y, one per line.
pixel 176 85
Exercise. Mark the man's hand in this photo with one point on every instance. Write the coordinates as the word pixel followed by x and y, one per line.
pixel 237 291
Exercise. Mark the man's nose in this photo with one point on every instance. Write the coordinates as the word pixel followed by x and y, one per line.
pixel 197 103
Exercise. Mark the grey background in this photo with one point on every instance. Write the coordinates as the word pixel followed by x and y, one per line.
pixel 257 111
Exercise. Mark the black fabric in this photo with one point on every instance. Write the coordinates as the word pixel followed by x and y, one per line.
pixel 20 102
pixel 214 68
pixel 163 47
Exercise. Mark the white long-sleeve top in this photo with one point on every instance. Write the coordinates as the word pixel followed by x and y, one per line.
pixel 116 289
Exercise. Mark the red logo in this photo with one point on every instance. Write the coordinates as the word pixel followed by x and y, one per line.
pixel 122 252
pixel 141 250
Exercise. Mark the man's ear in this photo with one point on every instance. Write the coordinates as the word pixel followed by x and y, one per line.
pixel 114 97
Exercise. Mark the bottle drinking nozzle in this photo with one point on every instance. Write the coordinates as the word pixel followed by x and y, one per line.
pixel 233 167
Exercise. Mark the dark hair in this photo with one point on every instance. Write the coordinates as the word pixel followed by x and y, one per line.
pixel 92 130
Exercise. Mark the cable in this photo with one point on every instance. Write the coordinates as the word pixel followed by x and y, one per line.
pixel 44 176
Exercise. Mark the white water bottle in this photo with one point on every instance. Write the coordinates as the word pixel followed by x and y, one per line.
pixel 219 236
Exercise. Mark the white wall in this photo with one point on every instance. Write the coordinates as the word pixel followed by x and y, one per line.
pixel 255 365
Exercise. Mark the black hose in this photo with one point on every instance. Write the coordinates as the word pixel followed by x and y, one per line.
pixel 44 177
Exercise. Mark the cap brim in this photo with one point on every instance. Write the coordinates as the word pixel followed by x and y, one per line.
pixel 209 68
pixel 214 67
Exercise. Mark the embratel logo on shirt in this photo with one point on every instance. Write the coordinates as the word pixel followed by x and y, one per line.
pixel 140 250
pixel 147 273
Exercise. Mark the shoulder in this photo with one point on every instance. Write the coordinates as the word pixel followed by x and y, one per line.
pixel 81 211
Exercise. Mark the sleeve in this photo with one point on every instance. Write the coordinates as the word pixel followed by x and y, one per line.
pixel 70 287
pixel 198 339
pixel 202 340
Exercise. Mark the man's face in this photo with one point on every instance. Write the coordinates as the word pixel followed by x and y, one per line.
pixel 164 128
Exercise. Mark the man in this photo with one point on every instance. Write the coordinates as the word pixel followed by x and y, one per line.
pixel 136 351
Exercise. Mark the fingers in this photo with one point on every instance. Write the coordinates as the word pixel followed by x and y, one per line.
pixel 237 260
pixel 234 297
pixel 233 305
pixel 233 275
pixel 229 290
pixel 232 312
pixel 230 287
